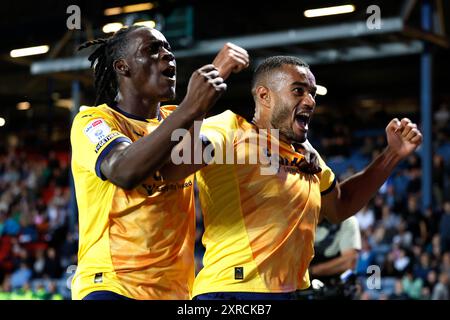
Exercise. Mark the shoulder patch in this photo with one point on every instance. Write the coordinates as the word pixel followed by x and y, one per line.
pixel 96 130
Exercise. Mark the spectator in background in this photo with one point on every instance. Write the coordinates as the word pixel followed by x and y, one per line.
pixel 389 221
pixel 400 182
pixel 388 269
pixel 28 232
pixel 430 225
pixel 40 220
pixel 415 181
pixel 20 254
pixel 6 289
pixel 435 250
pixel 53 293
pixel 442 116
pixel 431 280
pixel 69 250
pixel 440 291
pixel 444 230
pixel 438 179
pixel 11 226
pixel 57 211
pixel 338 143
pixel 422 269
pixel 413 217
pixel 398 293
pixel 53 161
pixel 390 196
pixel 39 264
pixel 380 142
pixel 401 260
pixel 445 264
pixel 413 162
pixel 61 175
pixel 366 258
pixel 367 147
pixel 52 267
pixel 412 286
pixel 2 220
pixel 365 217
pixel 6 262
pixel 21 276
pixel 403 237
pixel 379 201
pixel 416 253
pixel 426 293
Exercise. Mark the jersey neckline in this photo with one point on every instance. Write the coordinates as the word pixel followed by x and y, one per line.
pixel 132 116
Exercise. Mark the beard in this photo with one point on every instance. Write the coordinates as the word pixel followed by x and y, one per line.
pixel 281 119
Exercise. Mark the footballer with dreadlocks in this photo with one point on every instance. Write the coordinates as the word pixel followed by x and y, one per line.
pixel 136 227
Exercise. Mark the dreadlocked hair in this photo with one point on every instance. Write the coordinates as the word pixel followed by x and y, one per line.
pixel 102 59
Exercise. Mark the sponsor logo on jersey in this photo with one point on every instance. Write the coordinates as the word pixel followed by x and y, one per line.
pixel 96 130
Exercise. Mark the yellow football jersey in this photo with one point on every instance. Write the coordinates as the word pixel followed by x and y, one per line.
pixel 138 243
pixel 259 228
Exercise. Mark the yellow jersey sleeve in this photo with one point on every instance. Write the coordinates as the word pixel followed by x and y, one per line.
pixel 219 131
pixel 327 178
pixel 93 136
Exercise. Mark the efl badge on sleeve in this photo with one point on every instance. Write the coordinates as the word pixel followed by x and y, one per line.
pixel 96 130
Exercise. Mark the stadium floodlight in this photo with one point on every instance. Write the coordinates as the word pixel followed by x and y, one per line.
pixel 112 11
pixel 29 51
pixel 138 7
pixel 149 23
pixel 321 90
pixel 2 122
pixel 24 105
pixel 112 27
pixel 328 11
pixel 128 9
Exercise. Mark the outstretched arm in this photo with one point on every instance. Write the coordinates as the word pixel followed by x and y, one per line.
pixel 350 196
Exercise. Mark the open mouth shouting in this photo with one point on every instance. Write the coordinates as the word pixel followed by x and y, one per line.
pixel 170 73
pixel 301 120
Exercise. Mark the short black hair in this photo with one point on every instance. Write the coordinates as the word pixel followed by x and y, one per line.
pixel 102 59
pixel 274 63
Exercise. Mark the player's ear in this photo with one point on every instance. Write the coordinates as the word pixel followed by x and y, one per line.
pixel 263 95
pixel 121 67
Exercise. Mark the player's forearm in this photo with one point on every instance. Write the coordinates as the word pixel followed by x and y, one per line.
pixel 193 146
pixel 143 158
pixel 357 190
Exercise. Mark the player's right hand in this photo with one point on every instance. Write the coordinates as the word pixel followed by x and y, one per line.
pixel 204 89
pixel 231 58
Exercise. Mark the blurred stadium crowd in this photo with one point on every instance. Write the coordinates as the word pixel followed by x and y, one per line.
pixel 38 239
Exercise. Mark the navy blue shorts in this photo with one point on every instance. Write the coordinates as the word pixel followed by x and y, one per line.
pixel 105 295
pixel 245 296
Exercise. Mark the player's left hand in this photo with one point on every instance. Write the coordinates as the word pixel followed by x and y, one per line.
pixel 403 136
pixel 231 58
